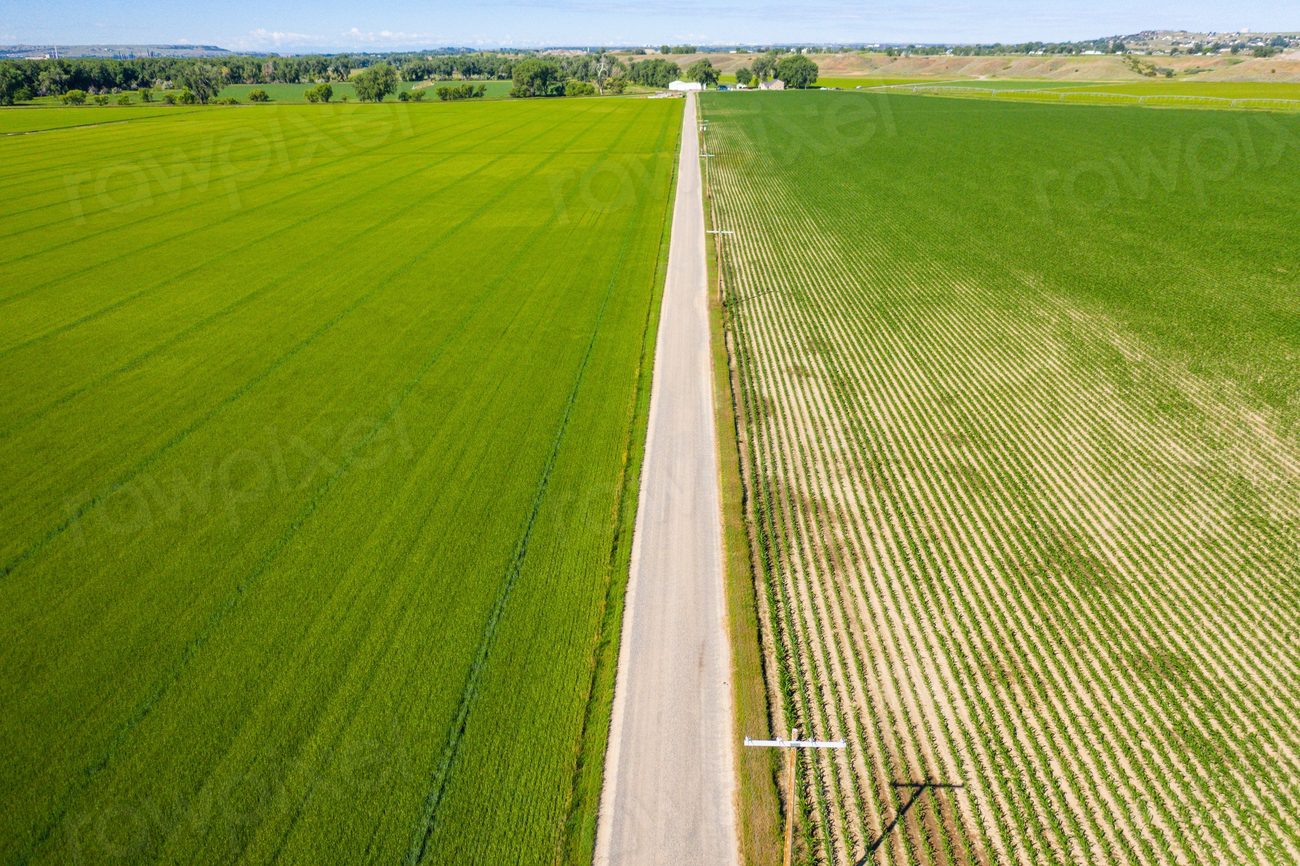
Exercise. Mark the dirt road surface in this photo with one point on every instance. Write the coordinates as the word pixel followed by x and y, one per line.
pixel 669 786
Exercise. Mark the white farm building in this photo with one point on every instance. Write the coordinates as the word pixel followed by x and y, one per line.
pixel 685 85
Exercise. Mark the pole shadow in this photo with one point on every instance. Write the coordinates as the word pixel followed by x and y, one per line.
pixel 918 788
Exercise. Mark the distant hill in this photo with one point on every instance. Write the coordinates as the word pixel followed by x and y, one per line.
pixel 116 52
pixel 1113 67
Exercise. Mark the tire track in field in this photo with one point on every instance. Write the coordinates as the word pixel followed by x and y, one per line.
pixel 155 214
pixel 138 120
pixel 170 214
pixel 177 438
pixel 470 690
pixel 132 148
pixel 305 189
pixel 146 708
pixel 389 640
pixel 279 279
pixel 622 510
pixel 520 254
pixel 269 138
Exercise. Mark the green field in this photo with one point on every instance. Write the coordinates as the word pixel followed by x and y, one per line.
pixel 319 442
pixel 1021 416
pixel 294 92
pixel 1008 83
pixel 17 120
pixel 1157 93
pixel 1214 89
pixel 853 83
pixel 847 83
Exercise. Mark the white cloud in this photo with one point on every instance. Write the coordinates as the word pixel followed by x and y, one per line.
pixel 263 38
pixel 356 35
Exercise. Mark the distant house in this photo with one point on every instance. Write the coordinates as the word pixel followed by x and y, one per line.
pixel 774 84
pixel 685 85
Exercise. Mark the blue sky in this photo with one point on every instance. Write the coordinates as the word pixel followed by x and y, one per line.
pixel 293 25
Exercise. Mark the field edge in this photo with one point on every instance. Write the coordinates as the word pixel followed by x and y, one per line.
pixel 579 838
pixel 757 806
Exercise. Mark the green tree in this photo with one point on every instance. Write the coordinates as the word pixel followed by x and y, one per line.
pixel 574 87
pixel 702 71
pixel 187 97
pixel 764 66
pixel 203 80
pixel 744 76
pixel 12 83
pixel 101 99
pixel 74 97
pixel 52 81
pixel 453 92
pixel 537 77
pixel 375 83
pixel 146 95
pixel 656 72
pixel 124 99
pixel 797 70
pixel 259 95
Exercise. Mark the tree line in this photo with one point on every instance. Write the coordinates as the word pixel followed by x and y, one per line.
pixel 373 76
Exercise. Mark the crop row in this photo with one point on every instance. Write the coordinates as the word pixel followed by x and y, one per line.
pixel 1008 542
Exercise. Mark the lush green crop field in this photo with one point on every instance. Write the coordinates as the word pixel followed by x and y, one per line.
pixel 319 440
pixel 14 120
pixel 1022 420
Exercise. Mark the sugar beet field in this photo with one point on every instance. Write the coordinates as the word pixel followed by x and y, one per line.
pixel 1021 416
pixel 315 430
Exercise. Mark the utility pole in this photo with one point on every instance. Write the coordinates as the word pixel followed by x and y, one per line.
pixel 791 745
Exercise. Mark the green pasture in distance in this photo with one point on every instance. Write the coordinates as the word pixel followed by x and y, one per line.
pixel 294 92
pixel 851 83
pixel 845 82
pixel 1218 89
pixel 1007 83
pixel 1020 388
pixel 1173 94
pixel 319 447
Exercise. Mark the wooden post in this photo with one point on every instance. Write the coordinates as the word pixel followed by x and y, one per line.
pixel 790 746
pixel 790 802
